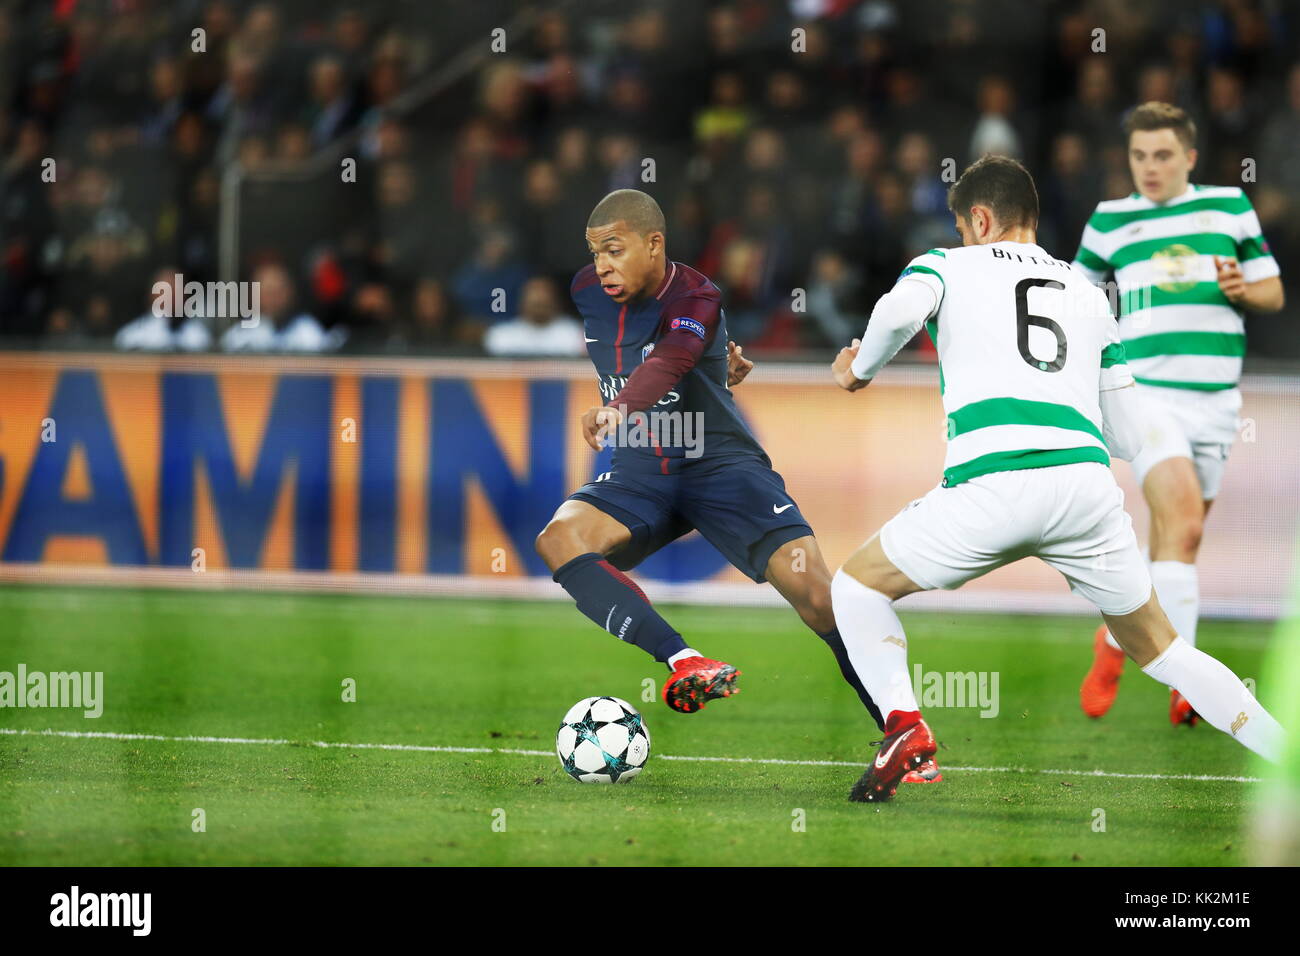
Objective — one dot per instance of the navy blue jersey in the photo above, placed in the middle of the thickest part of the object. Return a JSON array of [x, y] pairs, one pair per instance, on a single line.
[[684, 322]]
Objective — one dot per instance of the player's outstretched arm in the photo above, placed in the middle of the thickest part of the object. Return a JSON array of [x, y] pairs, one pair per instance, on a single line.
[[737, 365], [598, 423], [1121, 421], [899, 314], [1123, 424], [1264, 295], [842, 368], [696, 320]]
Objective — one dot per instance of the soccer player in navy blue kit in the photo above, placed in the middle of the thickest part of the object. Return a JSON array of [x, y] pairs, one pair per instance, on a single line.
[[656, 333]]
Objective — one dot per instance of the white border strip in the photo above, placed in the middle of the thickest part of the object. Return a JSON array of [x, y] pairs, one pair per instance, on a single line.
[[731, 594], [425, 748], [918, 372]]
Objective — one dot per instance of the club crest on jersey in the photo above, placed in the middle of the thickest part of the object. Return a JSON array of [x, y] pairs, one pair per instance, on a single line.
[[689, 324], [645, 352]]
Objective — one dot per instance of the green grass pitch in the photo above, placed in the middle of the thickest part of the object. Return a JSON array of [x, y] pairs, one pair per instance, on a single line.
[[499, 676]]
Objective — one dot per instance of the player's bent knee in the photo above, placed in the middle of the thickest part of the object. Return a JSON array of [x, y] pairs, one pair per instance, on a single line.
[[1180, 537], [859, 572], [542, 543], [871, 567], [1188, 538], [559, 542], [815, 607], [577, 531]]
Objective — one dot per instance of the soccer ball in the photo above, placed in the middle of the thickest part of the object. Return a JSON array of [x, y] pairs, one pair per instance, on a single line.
[[602, 740]]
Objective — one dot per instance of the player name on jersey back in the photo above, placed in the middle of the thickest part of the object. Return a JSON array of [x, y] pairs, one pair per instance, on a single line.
[[1023, 340]]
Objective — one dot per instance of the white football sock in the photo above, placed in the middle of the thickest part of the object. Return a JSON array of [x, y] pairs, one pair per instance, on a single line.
[[1178, 590], [1219, 696], [682, 654], [875, 641]]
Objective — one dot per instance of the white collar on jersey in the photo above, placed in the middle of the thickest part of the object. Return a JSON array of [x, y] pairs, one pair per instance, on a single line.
[[668, 280]]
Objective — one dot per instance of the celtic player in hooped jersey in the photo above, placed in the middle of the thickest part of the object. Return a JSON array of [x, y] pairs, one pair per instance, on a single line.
[[1187, 260], [1037, 395]]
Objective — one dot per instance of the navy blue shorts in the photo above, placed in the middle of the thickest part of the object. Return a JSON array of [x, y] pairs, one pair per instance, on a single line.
[[739, 504]]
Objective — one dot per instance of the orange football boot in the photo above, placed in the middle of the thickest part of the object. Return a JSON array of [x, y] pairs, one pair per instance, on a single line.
[[1180, 710]]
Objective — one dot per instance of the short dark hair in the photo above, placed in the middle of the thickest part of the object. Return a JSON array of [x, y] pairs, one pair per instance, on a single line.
[[1157, 115], [1002, 184], [639, 210]]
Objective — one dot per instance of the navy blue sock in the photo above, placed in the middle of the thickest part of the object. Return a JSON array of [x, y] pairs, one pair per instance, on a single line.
[[836, 643], [611, 599]]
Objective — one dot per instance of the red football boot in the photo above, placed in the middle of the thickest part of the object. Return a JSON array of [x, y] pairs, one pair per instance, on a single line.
[[902, 751], [928, 772], [1102, 683], [1180, 710], [697, 680]]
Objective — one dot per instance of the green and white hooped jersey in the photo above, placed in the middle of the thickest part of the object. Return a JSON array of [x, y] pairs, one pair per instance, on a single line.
[[1179, 330], [1026, 343]]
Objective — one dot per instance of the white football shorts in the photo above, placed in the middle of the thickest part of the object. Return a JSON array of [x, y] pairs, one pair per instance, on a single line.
[[1071, 516], [1189, 424]]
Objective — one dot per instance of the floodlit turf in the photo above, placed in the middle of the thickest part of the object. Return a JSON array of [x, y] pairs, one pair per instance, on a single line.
[[477, 674]]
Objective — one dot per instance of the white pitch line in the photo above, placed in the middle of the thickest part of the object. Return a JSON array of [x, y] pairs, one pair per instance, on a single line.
[[429, 748], [947, 767]]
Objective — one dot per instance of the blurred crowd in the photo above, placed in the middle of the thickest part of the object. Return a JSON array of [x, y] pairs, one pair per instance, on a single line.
[[799, 170]]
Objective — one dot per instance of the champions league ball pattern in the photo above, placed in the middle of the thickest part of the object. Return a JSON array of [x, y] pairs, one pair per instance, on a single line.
[[602, 740]]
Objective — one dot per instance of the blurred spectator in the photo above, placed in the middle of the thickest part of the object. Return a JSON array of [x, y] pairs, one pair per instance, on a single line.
[[168, 101], [161, 328], [278, 327], [541, 330], [917, 161], [1227, 129], [435, 324], [332, 110], [401, 238], [883, 243], [384, 82], [748, 255], [471, 172], [27, 224], [292, 146], [994, 132], [619, 162], [1280, 139], [1095, 112], [1066, 194], [103, 276], [240, 108], [864, 157], [1156, 83], [376, 326], [550, 223], [725, 117], [492, 278], [196, 226], [835, 298]]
